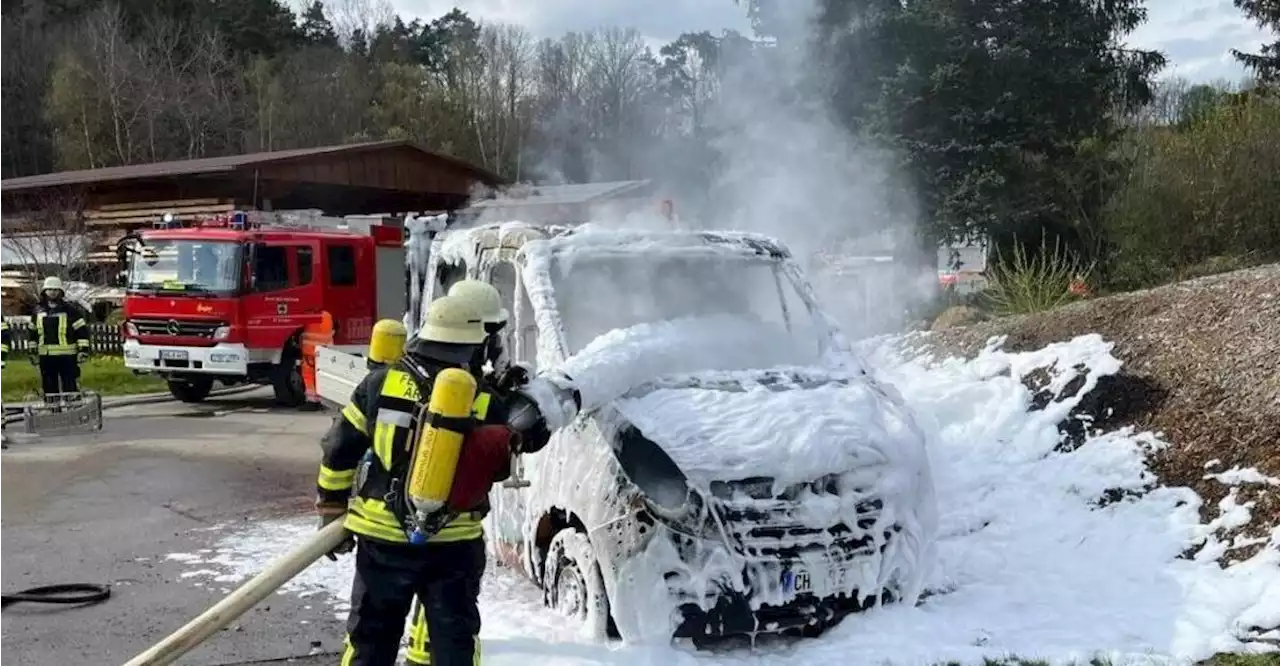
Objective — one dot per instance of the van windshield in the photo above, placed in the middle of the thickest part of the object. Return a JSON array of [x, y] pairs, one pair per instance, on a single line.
[[595, 295], [187, 266]]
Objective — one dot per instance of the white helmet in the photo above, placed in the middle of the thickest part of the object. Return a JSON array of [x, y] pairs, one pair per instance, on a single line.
[[52, 282], [453, 320], [485, 296]]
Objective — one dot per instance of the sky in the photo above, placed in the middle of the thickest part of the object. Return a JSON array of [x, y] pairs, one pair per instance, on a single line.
[[1196, 35]]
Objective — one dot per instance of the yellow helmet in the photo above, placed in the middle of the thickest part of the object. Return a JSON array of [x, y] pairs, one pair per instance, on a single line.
[[485, 296], [386, 344], [453, 320]]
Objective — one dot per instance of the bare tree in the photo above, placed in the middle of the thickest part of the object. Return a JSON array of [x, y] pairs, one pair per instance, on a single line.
[[52, 239]]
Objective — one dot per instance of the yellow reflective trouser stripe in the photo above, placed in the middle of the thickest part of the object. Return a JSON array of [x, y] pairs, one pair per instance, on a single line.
[[334, 479], [419, 652], [480, 408], [355, 417], [348, 652]]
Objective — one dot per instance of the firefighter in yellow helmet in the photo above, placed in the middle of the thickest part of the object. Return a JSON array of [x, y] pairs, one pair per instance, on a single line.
[[62, 339], [370, 499], [494, 388]]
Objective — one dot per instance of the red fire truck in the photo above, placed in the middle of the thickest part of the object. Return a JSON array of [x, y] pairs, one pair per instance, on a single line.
[[226, 298]]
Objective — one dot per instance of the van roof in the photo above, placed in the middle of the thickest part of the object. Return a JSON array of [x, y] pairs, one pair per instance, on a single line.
[[515, 235]]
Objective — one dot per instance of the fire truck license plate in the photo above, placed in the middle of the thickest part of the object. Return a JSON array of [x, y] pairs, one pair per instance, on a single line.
[[173, 354]]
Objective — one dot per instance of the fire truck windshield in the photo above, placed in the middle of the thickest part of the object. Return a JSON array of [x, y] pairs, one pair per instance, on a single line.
[[187, 266]]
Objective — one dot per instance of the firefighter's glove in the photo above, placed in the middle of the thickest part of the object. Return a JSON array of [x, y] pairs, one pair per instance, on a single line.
[[328, 513], [82, 356], [514, 376]]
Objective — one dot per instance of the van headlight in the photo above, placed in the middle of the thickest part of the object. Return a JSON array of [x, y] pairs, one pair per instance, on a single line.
[[663, 486], [222, 333], [130, 329]]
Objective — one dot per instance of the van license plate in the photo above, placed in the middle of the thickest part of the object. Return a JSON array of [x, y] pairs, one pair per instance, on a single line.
[[796, 580], [173, 354]]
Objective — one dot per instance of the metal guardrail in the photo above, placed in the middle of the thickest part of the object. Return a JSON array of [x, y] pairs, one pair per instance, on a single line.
[[64, 412]]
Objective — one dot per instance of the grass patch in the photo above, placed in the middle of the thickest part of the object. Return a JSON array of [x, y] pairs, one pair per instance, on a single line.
[[104, 374]]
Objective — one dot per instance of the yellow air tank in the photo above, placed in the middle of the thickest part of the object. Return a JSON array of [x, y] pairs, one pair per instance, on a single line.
[[386, 343], [435, 455]]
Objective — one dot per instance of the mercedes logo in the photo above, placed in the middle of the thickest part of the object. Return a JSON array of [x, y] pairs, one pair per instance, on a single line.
[[172, 327]]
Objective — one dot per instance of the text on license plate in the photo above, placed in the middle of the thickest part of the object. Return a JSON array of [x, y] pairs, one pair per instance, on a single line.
[[796, 580], [173, 354]]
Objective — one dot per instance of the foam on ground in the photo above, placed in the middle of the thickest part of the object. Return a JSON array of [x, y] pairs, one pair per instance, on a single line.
[[1031, 560]]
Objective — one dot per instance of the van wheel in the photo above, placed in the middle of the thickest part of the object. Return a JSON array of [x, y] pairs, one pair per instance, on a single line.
[[286, 378], [191, 390], [572, 584]]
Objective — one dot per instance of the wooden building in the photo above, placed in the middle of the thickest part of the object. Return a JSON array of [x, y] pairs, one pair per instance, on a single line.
[[99, 206]]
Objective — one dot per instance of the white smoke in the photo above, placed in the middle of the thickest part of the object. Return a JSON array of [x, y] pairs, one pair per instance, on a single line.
[[790, 169]]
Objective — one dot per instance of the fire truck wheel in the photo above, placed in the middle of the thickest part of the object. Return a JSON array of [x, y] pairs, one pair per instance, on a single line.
[[190, 390], [286, 378]]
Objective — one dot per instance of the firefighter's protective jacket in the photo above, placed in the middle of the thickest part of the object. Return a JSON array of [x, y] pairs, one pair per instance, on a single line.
[[61, 329], [381, 415], [4, 340]]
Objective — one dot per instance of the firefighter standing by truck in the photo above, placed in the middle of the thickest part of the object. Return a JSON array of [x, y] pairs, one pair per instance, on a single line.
[[62, 339], [391, 568]]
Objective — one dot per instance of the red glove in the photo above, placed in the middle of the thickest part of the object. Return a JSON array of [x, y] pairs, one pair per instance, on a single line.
[[485, 453]]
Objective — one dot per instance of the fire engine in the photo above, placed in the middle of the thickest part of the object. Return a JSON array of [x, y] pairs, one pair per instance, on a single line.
[[226, 298]]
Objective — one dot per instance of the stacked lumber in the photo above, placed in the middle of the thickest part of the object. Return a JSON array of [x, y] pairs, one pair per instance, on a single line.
[[149, 212], [118, 219]]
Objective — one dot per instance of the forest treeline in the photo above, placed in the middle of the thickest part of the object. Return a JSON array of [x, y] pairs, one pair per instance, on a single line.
[[1013, 120]]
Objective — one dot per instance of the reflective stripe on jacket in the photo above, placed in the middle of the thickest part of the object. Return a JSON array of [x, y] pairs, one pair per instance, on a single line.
[[380, 418], [61, 331]]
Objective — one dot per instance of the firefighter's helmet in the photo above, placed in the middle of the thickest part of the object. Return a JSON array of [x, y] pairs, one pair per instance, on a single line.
[[486, 298], [453, 320], [51, 283]]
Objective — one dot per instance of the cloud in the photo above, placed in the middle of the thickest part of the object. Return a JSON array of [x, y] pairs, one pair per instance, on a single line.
[[1196, 35]]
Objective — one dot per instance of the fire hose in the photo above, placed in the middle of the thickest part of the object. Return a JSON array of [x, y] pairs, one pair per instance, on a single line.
[[242, 599], [67, 593]]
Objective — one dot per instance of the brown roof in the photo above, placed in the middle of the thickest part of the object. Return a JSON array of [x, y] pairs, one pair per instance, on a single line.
[[229, 163]]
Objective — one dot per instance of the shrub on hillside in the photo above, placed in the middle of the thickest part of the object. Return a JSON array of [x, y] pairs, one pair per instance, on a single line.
[[1201, 197], [1024, 283]]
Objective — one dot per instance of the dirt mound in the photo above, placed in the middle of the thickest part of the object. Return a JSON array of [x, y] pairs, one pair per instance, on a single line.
[[1201, 367]]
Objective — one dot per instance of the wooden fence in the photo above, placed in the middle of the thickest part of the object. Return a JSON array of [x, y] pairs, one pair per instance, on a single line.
[[103, 339]]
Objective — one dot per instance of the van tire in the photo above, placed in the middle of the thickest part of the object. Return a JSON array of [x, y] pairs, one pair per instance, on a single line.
[[572, 583], [191, 390], [286, 378]]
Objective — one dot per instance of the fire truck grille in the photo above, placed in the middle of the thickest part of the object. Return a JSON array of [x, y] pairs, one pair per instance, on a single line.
[[177, 327]]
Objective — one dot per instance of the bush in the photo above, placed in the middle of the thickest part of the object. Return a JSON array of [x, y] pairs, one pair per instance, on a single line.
[[1200, 198], [1024, 284]]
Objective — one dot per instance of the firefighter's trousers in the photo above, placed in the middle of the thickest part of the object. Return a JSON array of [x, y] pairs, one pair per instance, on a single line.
[[58, 373], [445, 576]]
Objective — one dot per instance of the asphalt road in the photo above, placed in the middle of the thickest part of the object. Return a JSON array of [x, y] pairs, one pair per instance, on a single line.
[[107, 508]]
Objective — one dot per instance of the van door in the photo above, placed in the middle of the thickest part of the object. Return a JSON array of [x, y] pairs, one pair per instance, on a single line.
[[511, 512]]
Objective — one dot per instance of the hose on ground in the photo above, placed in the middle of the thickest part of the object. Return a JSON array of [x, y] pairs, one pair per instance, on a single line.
[[67, 593]]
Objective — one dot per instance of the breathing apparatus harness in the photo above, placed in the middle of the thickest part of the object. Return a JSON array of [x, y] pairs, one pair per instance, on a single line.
[[396, 494]]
